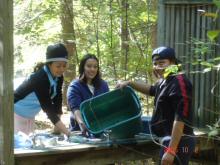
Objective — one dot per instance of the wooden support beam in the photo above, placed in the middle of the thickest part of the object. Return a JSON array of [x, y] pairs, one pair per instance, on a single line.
[[6, 82], [161, 24], [88, 154]]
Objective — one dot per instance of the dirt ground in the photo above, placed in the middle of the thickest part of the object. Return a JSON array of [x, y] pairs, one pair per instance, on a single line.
[[43, 123]]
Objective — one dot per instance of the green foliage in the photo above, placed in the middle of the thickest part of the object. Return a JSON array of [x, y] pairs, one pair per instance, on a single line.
[[36, 21], [203, 50], [213, 34], [97, 30], [217, 3], [206, 59]]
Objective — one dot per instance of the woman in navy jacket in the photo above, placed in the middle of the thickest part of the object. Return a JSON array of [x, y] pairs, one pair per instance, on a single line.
[[42, 90], [87, 86]]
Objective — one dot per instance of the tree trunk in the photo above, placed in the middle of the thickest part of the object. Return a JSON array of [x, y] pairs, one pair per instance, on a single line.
[[124, 37], [6, 83], [111, 44], [68, 36], [97, 38]]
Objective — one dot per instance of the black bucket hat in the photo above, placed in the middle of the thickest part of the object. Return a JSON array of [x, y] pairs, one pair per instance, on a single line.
[[56, 52]]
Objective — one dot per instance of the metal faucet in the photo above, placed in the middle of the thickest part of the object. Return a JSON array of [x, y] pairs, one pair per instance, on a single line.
[[106, 134]]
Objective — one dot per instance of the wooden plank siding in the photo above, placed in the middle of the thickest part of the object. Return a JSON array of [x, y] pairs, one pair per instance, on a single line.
[[6, 84], [179, 22]]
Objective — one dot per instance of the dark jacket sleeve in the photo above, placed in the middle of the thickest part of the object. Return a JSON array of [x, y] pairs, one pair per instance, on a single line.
[[74, 96], [23, 90], [39, 83], [153, 88], [42, 90], [181, 95], [105, 87]]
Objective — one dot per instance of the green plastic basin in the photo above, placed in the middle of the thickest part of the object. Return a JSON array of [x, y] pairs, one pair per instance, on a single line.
[[118, 111]]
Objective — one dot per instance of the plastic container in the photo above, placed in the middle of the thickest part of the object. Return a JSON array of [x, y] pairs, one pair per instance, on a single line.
[[21, 140], [117, 112]]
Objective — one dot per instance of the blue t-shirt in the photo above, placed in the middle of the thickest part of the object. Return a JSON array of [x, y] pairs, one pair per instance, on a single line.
[[28, 107]]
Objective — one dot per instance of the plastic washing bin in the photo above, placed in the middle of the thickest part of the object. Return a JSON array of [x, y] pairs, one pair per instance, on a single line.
[[118, 111]]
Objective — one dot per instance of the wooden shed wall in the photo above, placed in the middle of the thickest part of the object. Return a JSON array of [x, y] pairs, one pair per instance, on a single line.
[[180, 22]]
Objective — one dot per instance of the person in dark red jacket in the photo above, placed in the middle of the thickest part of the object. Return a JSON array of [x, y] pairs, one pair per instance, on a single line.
[[42, 90], [173, 115]]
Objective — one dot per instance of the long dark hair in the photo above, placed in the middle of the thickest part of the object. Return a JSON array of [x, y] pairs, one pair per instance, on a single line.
[[40, 65], [97, 79]]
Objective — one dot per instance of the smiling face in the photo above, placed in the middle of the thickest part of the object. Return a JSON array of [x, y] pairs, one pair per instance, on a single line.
[[159, 66], [57, 68], [91, 69]]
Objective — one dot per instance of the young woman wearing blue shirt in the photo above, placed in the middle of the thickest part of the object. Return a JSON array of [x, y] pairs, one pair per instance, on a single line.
[[88, 85]]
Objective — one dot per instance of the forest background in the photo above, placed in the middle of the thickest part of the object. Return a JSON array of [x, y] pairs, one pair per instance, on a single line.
[[121, 33]]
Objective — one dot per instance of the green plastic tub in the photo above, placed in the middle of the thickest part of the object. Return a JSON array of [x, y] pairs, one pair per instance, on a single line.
[[118, 111]]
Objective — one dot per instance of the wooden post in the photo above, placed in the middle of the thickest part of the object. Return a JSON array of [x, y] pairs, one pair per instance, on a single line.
[[161, 24], [6, 83]]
